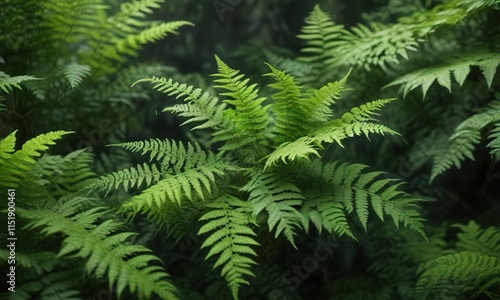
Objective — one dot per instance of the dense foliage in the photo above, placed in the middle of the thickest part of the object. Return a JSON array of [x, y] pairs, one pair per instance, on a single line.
[[294, 156]]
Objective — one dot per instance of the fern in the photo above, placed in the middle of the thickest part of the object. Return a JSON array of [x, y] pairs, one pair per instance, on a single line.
[[250, 117], [75, 73], [16, 163], [106, 253], [474, 269], [8, 83], [354, 123], [458, 68], [200, 107], [495, 141], [260, 168], [357, 192], [279, 199], [185, 172], [475, 239], [320, 35], [466, 135], [231, 239]]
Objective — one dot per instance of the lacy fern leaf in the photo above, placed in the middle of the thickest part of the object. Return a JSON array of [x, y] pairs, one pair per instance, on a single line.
[[8, 83], [200, 106], [279, 198], [106, 253], [185, 172], [75, 73], [460, 68], [250, 117], [358, 191], [466, 135], [495, 141], [16, 164], [231, 239]]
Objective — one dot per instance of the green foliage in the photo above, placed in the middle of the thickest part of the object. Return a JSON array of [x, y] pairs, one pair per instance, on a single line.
[[258, 176], [473, 269], [466, 135], [106, 253], [460, 68], [79, 55], [50, 205], [7, 83]]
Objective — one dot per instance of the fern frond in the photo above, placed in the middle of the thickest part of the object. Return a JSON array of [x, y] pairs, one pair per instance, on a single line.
[[129, 178], [75, 73], [475, 239], [154, 33], [200, 107], [301, 148], [468, 271], [279, 198], [374, 45], [250, 118], [15, 165], [231, 238], [357, 191], [459, 68], [466, 135], [354, 123], [494, 145], [106, 253], [317, 107], [8, 83], [286, 108], [321, 35], [185, 170]]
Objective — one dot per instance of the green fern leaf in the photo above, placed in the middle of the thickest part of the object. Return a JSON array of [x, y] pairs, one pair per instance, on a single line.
[[279, 198], [466, 135], [459, 68], [231, 239], [291, 151], [251, 119], [286, 108], [494, 145], [475, 239], [200, 107], [468, 271], [75, 73], [106, 254], [17, 165], [154, 33], [357, 191], [7, 83]]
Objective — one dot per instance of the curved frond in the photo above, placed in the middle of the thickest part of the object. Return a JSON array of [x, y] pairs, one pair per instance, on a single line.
[[15, 165], [200, 106], [458, 68], [105, 252], [464, 139], [466, 271], [7, 83], [357, 191]]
